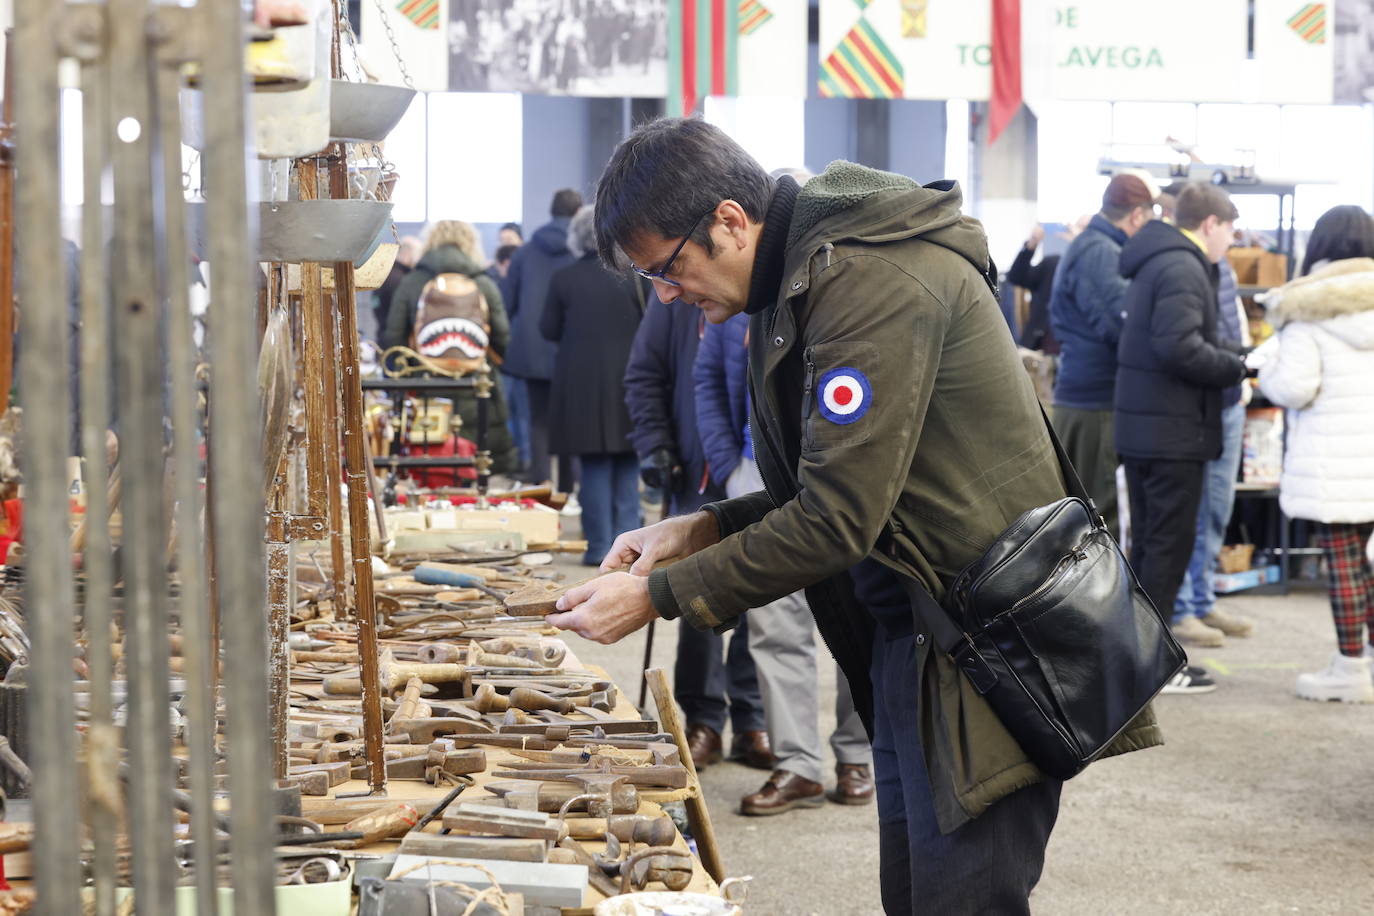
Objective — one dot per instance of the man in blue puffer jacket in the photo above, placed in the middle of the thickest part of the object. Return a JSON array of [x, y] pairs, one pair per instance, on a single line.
[[1086, 314], [781, 633]]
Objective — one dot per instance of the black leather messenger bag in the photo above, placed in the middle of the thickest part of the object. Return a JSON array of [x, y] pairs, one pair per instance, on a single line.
[[1052, 628]]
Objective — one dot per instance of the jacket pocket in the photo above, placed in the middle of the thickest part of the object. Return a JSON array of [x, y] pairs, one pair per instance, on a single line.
[[839, 394]]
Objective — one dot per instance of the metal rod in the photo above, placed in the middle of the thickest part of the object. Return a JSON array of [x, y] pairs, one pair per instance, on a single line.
[[235, 442], [194, 606], [359, 478], [138, 385], [278, 620], [45, 397], [102, 745]]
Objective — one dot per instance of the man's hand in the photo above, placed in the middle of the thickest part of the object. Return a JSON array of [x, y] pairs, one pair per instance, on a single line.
[[606, 609], [1037, 235], [670, 539], [661, 469]]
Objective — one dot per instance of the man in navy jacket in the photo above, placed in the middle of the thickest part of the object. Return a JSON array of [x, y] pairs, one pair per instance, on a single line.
[[1085, 311], [660, 395]]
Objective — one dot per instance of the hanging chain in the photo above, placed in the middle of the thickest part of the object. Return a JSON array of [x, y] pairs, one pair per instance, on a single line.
[[347, 28], [395, 48]]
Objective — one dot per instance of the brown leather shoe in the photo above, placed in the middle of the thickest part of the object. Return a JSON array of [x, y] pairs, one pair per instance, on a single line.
[[753, 749], [853, 784], [783, 791], [703, 743]]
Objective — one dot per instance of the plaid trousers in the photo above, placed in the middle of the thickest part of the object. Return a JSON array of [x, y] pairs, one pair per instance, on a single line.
[[1352, 582]]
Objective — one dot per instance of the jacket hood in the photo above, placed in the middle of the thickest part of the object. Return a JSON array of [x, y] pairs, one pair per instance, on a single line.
[[449, 259], [552, 238], [849, 201], [1155, 238], [1339, 296]]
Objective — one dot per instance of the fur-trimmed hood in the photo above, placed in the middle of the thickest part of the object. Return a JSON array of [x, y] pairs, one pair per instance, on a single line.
[[1337, 289]]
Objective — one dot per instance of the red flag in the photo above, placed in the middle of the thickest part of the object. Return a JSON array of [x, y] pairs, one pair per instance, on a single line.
[[1006, 66]]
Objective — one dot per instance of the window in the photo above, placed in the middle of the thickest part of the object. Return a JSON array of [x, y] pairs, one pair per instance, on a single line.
[[475, 144], [772, 130]]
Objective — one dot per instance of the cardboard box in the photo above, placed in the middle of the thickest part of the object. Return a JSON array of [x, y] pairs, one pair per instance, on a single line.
[[1257, 267], [1225, 583]]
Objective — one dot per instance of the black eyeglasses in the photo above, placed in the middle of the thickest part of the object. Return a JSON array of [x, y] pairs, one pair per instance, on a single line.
[[662, 273]]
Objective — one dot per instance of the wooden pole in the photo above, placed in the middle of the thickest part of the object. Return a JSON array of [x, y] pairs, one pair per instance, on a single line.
[[7, 229]]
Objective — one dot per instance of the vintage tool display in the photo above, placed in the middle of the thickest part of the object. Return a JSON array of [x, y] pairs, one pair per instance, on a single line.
[[253, 699]]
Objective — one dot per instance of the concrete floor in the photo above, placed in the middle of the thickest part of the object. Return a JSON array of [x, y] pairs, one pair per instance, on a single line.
[[1259, 803]]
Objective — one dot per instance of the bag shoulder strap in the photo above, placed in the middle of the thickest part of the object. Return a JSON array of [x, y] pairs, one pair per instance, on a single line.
[[1072, 482]]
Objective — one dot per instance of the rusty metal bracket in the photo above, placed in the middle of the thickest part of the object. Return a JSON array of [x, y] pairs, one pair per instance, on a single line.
[[307, 527]]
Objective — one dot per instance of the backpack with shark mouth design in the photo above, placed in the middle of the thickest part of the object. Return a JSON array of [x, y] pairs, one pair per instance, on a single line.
[[452, 325]]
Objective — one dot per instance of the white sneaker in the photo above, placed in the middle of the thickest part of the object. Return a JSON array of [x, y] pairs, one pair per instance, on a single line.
[[1345, 678], [572, 506]]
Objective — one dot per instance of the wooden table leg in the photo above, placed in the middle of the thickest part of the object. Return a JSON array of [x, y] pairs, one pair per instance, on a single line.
[[698, 818]]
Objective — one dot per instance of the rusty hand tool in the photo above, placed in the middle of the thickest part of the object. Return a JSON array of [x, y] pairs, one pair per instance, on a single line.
[[661, 777], [658, 754], [596, 875], [667, 865], [548, 654], [424, 731], [472, 817], [380, 824], [453, 846], [538, 599], [464, 782], [480, 658], [397, 674], [629, 828], [410, 705], [551, 796]]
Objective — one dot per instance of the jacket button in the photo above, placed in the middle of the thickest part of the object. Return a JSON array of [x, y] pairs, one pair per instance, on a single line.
[[778, 341], [797, 285], [920, 639]]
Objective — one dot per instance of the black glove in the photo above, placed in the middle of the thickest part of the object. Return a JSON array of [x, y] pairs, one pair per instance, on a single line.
[[661, 469]]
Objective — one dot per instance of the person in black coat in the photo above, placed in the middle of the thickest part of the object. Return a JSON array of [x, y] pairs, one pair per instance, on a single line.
[[660, 391], [592, 314], [1038, 280], [1171, 370]]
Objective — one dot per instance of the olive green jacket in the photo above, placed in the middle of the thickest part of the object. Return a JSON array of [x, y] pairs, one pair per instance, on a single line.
[[885, 279]]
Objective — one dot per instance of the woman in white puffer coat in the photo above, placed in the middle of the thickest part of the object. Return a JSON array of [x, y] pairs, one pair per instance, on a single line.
[[1323, 372]]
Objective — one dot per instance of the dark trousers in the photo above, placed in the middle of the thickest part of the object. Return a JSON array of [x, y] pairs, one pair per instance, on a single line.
[[610, 501], [990, 864], [705, 683], [1088, 437], [1164, 499], [539, 392]]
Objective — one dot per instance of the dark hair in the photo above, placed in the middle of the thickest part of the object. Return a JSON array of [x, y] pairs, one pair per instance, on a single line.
[[666, 176], [566, 202], [1199, 200], [513, 227], [506, 252], [1341, 232]]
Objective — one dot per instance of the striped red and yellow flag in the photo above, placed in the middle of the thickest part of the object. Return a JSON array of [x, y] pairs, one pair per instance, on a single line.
[[424, 13], [862, 67], [703, 52], [1310, 23], [752, 14]]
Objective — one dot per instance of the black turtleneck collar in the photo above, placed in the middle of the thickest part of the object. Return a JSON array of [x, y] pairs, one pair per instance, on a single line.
[[772, 246]]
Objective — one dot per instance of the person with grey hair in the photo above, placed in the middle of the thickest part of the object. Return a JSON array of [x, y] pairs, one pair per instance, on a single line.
[[592, 314]]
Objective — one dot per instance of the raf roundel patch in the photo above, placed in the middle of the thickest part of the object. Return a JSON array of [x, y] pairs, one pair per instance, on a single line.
[[845, 395]]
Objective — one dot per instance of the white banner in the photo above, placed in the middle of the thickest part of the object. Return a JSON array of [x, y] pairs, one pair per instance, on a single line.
[[1174, 51], [772, 48], [421, 31]]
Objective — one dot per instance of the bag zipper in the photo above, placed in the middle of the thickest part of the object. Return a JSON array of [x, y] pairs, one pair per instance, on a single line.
[[1060, 570]]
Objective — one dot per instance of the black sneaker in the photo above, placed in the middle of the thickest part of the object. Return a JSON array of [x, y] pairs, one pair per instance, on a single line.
[[1190, 680]]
